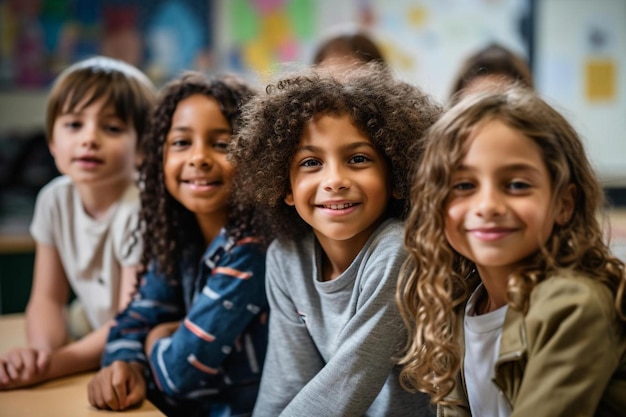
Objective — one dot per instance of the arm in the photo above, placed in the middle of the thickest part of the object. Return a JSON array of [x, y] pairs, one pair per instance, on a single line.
[[573, 349], [117, 385], [45, 313], [292, 358], [232, 298], [128, 286], [45, 322]]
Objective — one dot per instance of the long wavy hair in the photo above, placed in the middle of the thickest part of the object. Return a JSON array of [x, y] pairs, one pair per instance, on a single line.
[[392, 114], [436, 280], [168, 227]]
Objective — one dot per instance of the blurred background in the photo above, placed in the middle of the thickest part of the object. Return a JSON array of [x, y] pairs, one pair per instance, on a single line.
[[575, 48]]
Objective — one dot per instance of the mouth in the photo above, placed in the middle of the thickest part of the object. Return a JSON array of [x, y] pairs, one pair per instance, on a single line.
[[201, 182], [89, 160], [491, 234], [340, 206]]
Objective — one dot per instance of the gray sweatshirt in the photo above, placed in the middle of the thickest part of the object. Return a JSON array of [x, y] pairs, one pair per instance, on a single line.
[[332, 343]]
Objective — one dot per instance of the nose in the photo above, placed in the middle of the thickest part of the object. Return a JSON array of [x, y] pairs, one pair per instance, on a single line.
[[490, 202], [335, 179], [90, 136], [201, 156]]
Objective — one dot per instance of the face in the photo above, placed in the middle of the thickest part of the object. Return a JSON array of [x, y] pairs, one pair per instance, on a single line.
[[93, 146], [195, 168], [500, 208], [339, 181]]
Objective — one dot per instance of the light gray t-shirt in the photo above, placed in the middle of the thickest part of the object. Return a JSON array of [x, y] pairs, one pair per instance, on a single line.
[[332, 343], [92, 252]]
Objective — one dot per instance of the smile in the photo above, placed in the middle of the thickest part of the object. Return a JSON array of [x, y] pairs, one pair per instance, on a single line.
[[491, 234], [341, 206]]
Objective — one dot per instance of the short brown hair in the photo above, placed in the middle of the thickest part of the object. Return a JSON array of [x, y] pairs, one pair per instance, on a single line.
[[122, 85]]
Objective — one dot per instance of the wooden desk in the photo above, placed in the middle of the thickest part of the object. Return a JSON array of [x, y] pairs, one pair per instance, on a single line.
[[65, 397]]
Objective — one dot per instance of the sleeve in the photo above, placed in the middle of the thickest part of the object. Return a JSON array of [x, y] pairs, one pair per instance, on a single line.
[[233, 296], [129, 245], [158, 300], [41, 227], [574, 349], [292, 358], [363, 361]]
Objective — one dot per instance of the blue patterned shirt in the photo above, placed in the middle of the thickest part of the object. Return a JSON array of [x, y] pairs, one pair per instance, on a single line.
[[217, 353]]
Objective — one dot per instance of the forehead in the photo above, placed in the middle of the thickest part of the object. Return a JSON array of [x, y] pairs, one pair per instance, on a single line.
[[331, 131], [495, 144]]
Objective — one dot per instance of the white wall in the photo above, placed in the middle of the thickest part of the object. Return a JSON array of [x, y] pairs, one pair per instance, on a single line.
[[571, 34]]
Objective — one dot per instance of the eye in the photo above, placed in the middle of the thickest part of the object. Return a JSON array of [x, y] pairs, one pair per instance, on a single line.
[[179, 142], [114, 129], [359, 159], [73, 124], [221, 144], [463, 186], [310, 163], [517, 185]]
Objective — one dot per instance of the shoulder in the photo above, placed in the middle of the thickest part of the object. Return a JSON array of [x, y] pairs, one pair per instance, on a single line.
[[570, 293], [129, 201], [285, 247], [58, 188], [387, 240]]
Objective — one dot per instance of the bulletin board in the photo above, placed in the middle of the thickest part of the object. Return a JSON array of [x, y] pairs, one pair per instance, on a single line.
[[424, 41], [39, 38], [581, 68]]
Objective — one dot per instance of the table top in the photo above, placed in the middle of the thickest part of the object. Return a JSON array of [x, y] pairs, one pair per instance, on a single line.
[[64, 397]]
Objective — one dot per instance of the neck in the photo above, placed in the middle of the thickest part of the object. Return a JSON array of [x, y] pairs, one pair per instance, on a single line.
[[98, 199], [211, 226], [496, 284]]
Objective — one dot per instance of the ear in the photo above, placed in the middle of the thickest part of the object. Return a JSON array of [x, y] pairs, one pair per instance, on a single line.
[[396, 194], [52, 148], [289, 199], [566, 203], [138, 158]]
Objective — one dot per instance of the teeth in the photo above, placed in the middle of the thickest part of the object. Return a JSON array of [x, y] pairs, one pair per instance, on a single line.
[[200, 182], [339, 206]]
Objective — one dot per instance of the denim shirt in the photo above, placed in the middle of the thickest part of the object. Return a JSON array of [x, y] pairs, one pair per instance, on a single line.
[[218, 351]]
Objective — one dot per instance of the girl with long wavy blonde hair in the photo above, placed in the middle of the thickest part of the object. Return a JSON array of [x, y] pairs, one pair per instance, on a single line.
[[514, 304]]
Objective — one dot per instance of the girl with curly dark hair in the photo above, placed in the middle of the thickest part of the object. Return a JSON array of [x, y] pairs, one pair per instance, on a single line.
[[195, 334], [328, 161], [515, 305]]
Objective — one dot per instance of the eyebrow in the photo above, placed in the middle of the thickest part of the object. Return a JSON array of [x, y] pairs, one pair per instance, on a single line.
[[349, 147], [185, 129], [508, 168]]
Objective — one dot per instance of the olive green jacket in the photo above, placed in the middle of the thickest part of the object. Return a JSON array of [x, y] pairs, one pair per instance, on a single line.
[[566, 357]]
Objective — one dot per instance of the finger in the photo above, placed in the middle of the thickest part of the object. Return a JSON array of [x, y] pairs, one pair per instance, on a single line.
[[137, 392], [15, 358], [29, 366], [12, 371], [43, 360], [4, 376]]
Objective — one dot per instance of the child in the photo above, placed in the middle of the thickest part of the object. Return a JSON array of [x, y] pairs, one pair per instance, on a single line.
[[329, 161], [206, 269], [514, 304], [85, 220], [493, 66]]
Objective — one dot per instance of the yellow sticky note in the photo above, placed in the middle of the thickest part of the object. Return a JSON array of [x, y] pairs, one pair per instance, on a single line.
[[600, 79]]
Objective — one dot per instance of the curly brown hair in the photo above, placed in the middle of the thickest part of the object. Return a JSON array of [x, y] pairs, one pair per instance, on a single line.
[[434, 281], [168, 227], [392, 114]]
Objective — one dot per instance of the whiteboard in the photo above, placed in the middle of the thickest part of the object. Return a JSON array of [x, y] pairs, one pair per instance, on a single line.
[[580, 67]]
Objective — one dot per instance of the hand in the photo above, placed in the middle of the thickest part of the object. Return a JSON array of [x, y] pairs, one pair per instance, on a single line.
[[117, 386], [22, 367], [158, 332]]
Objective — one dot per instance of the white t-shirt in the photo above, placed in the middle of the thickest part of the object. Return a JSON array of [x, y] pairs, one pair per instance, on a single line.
[[92, 252], [482, 346]]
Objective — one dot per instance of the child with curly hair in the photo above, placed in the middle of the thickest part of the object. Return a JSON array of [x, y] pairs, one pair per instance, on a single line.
[[328, 162], [515, 305], [85, 221], [195, 335]]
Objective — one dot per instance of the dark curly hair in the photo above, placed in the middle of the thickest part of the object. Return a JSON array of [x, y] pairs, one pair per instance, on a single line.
[[168, 227], [392, 114]]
